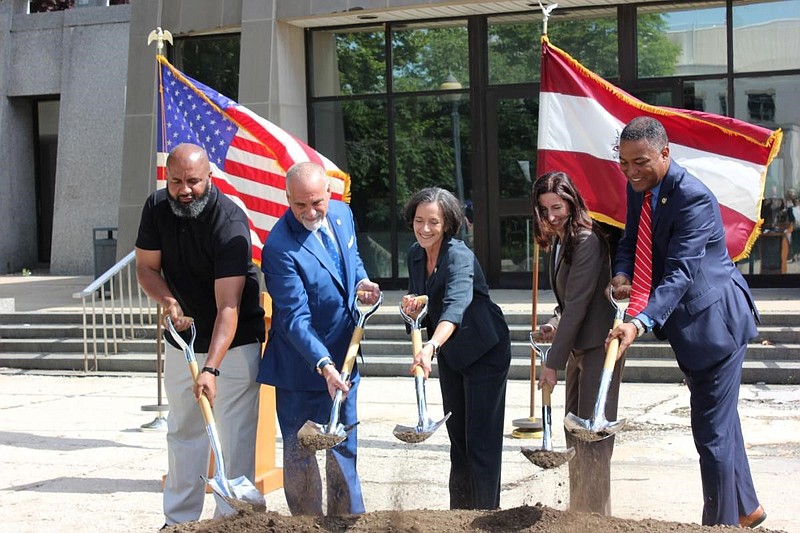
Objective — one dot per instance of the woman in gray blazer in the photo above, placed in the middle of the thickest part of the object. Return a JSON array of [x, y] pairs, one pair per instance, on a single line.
[[468, 333], [580, 269]]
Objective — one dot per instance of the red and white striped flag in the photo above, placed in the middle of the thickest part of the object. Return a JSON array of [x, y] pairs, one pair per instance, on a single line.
[[249, 155], [581, 116]]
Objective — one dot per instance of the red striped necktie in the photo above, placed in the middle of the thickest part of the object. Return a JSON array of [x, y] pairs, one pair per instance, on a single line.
[[643, 260]]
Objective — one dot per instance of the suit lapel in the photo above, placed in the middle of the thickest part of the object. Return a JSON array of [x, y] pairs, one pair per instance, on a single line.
[[667, 186], [416, 269], [312, 244], [555, 266]]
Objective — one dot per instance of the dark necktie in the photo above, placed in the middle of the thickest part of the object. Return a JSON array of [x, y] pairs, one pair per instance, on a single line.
[[643, 260], [330, 246]]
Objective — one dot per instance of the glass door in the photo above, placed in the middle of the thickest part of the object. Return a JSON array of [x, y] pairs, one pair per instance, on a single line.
[[512, 114]]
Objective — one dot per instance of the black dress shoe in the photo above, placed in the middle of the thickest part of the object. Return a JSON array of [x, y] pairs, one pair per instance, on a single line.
[[754, 519]]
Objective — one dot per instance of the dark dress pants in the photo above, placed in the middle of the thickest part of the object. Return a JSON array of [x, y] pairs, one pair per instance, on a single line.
[[476, 397], [302, 483], [728, 490]]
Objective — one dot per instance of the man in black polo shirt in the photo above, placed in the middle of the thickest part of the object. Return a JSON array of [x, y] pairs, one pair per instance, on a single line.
[[193, 257]]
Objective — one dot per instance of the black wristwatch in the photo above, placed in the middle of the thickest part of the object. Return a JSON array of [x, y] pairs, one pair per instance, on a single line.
[[210, 370], [325, 361]]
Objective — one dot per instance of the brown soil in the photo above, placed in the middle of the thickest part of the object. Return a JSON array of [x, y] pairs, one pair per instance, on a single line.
[[520, 519], [547, 459]]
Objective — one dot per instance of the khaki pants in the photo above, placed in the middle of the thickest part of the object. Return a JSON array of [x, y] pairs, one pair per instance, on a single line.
[[188, 448]]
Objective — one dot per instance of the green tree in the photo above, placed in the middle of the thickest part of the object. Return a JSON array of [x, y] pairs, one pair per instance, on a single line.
[[658, 56]]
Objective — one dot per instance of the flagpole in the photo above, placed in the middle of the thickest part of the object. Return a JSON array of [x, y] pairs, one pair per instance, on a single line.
[[159, 423]]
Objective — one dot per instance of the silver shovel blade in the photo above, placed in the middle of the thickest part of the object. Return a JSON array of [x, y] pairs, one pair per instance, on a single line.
[[546, 459], [413, 435], [315, 437], [237, 494], [591, 430]]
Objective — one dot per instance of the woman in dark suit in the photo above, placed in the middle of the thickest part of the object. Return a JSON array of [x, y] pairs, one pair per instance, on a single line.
[[468, 333], [580, 269]]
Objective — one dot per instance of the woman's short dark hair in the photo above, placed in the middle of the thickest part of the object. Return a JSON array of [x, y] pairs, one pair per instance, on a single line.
[[452, 213], [560, 184]]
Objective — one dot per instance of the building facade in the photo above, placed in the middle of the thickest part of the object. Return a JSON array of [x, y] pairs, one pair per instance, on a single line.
[[400, 94]]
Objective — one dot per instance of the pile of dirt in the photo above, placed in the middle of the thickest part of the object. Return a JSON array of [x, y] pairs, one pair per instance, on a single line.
[[520, 519]]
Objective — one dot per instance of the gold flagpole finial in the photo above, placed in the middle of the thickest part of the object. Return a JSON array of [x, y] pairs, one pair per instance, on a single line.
[[545, 14], [159, 36]]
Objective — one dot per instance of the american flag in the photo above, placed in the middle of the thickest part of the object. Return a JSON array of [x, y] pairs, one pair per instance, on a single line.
[[581, 116], [249, 155]]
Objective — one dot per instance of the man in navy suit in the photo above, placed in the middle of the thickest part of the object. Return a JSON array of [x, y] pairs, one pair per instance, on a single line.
[[700, 302], [313, 318]]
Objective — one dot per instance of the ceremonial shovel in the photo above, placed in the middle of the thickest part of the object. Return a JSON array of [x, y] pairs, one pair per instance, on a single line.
[[425, 426], [233, 492], [313, 436], [598, 428], [546, 457]]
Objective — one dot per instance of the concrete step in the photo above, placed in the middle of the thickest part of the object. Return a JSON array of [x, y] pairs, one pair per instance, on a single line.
[[373, 332], [637, 370]]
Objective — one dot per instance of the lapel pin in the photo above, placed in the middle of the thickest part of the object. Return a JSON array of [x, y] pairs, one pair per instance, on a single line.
[[663, 201], [338, 222]]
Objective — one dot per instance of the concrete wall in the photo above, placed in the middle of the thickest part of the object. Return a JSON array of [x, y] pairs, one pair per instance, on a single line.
[[81, 56]]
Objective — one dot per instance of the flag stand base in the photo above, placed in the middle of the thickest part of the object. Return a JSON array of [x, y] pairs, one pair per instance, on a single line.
[[527, 428]]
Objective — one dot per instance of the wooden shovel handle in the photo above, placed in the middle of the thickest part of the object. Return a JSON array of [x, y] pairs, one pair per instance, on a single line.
[[205, 405], [416, 346], [612, 350], [352, 352], [546, 392]]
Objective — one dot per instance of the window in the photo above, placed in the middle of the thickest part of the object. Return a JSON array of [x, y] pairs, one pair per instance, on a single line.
[[761, 107], [349, 62], [673, 42], [212, 60], [514, 43], [423, 56], [766, 36]]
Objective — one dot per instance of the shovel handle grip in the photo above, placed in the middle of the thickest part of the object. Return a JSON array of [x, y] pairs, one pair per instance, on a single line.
[[546, 392], [352, 352], [416, 346], [611, 351], [205, 405]]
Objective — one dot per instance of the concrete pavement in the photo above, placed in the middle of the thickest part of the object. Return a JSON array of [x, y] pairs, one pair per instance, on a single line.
[[74, 459]]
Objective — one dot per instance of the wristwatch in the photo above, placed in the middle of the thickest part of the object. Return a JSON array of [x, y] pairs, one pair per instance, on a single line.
[[640, 329], [211, 370], [322, 363], [436, 346]]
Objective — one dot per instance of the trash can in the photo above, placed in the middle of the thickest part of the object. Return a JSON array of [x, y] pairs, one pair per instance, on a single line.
[[105, 252]]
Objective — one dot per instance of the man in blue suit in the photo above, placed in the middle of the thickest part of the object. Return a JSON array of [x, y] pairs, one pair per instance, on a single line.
[[313, 291], [700, 302]]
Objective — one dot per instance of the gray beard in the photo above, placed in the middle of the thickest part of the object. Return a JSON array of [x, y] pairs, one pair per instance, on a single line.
[[193, 209]]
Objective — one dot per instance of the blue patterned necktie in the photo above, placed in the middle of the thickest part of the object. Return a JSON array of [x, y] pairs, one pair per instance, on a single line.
[[330, 247]]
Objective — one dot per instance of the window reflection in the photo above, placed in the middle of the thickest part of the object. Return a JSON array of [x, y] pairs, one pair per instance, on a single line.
[[432, 147], [353, 134], [766, 36], [423, 56], [673, 42], [516, 246], [212, 60], [771, 102], [517, 123], [514, 49], [349, 62]]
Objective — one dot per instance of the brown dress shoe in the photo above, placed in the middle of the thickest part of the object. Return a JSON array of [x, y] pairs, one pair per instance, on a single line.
[[754, 519]]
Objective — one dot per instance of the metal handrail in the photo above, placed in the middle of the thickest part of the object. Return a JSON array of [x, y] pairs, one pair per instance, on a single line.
[[134, 304]]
